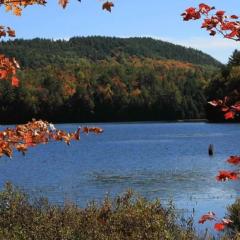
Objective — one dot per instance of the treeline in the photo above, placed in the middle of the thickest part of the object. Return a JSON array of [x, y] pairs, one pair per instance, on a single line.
[[105, 79], [41, 52]]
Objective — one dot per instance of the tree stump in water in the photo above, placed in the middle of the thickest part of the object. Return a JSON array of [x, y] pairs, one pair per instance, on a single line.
[[210, 150]]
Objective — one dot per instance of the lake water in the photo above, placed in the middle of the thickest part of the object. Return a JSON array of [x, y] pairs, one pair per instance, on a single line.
[[157, 160]]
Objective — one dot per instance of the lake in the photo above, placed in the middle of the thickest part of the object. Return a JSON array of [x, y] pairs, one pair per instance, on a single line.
[[157, 160]]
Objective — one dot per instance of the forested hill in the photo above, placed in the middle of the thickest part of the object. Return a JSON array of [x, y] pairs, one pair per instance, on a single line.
[[39, 52], [105, 79]]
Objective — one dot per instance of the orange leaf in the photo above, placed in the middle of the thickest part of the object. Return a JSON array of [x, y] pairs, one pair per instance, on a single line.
[[108, 6], [63, 3], [15, 81]]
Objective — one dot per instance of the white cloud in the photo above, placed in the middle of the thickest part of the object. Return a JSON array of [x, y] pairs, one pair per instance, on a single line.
[[206, 43], [217, 47]]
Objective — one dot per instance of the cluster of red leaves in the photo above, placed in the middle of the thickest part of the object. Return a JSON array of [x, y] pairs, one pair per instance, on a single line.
[[227, 175], [217, 21], [8, 66], [219, 225], [230, 112], [37, 132]]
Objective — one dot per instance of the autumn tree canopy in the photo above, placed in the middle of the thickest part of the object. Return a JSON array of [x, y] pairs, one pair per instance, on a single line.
[[215, 21]]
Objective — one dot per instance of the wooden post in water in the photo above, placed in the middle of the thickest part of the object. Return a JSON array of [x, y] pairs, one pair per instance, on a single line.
[[210, 150]]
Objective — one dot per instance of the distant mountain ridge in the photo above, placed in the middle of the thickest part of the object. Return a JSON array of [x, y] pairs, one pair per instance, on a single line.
[[40, 52]]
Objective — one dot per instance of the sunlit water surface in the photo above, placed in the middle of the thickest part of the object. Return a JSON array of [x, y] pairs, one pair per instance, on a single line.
[[157, 160]]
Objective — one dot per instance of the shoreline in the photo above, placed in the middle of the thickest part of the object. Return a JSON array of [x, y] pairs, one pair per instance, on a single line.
[[120, 122], [201, 120]]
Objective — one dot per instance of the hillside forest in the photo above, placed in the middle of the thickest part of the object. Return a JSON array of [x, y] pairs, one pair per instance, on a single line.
[[89, 79]]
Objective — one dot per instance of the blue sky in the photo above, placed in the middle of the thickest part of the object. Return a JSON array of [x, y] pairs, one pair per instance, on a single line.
[[153, 18]]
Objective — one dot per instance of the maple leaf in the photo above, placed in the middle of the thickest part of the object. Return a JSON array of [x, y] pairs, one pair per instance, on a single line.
[[22, 148], [3, 74], [234, 17], [229, 115], [220, 13], [235, 160], [11, 32], [207, 217], [17, 11], [219, 226], [63, 3], [15, 81], [108, 6], [204, 8]]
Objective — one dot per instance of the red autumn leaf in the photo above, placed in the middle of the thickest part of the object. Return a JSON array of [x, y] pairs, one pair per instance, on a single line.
[[229, 115], [191, 13], [234, 16], [207, 217], [15, 81], [219, 226], [11, 32], [228, 26], [3, 74], [235, 160], [96, 130], [108, 6], [204, 8], [226, 175], [63, 3], [220, 13]]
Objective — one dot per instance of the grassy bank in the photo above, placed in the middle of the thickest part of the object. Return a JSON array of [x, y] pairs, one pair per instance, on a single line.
[[127, 217]]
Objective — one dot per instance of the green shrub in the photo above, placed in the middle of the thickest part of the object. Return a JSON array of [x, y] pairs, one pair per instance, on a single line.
[[127, 217]]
